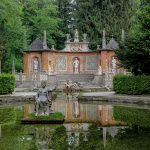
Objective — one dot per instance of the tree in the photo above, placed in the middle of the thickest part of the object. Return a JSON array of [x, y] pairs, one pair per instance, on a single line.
[[134, 54], [94, 16], [42, 15], [11, 31], [67, 10]]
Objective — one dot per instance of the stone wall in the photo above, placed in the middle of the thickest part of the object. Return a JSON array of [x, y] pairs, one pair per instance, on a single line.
[[62, 62]]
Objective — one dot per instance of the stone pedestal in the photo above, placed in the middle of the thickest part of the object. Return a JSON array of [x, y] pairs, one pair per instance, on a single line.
[[98, 80], [52, 79]]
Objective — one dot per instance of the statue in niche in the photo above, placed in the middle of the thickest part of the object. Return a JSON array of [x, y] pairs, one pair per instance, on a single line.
[[35, 64], [43, 101], [100, 70], [76, 65], [50, 68], [76, 36], [114, 65]]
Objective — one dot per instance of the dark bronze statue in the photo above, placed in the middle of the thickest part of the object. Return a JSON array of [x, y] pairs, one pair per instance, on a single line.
[[43, 101]]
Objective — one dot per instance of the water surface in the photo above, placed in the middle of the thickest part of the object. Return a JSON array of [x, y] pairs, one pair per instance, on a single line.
[[88, 126]]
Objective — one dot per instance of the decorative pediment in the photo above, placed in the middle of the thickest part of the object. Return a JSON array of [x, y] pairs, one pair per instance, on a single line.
[[76, 45]]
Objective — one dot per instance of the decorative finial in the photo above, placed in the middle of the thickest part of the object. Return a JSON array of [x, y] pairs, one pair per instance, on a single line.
[[53, 48], [122, 36], [98, 47], [67, 37], [104, 40], [76, 36], [45, 40], [25, 41], [84, 37]]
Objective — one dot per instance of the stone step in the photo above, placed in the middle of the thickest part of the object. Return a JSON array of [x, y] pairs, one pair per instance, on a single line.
[[75, 77]]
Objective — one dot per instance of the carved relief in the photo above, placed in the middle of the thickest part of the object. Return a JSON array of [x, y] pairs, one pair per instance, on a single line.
[[91, 62], [61, 62], [76, 47]]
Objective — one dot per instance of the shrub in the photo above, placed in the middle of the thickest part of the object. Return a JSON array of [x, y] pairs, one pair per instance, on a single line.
[[7, 83], [135, 85]]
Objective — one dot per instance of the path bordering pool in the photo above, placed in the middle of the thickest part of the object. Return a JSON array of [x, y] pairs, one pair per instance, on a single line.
[[112, 97]]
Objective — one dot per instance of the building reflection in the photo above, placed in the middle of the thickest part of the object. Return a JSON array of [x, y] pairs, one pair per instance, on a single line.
[[76, 112]]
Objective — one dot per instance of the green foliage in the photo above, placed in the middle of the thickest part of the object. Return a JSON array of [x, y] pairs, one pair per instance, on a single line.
[[134, 85], [31, 17], [40, 16], [59, 139], [7, 115], [132, 116], [94, 16], [11, 30], [7, 83], [134, 54], [53, 116]]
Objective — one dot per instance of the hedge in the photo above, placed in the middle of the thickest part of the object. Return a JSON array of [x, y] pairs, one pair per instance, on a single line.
[[135, 85], [7, 83], [132, 116]]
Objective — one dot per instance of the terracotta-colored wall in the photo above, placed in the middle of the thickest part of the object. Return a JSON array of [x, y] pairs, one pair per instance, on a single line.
[[103, 58], [106, 56], [25, 63], [44, 63], [45, 56]]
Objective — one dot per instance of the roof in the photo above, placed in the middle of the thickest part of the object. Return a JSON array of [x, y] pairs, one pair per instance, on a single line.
[[112, 45], [37, 44]]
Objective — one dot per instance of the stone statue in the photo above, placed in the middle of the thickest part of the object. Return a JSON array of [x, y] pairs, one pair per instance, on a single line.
[[50, 68], [35, 64], [76, 65], [67, 37], [43, 101], [70, 86], [113, 62], [100, 70], [84, 36], [76, 36]]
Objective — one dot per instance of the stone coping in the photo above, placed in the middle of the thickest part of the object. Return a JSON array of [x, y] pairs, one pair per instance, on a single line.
[[18, 97], [112, 97], [85, 96]]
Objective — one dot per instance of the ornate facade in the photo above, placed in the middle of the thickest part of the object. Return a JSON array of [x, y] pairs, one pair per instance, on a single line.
[[75, 58]]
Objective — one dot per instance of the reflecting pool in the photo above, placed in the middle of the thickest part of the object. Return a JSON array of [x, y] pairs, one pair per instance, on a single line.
[[88, 125]]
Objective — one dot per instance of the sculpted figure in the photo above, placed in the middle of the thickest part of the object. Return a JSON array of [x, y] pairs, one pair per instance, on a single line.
[[50, 68], [114, 65], [43, 102], [100, 70], [35, 64], [76, 36], [76, 65], [67, 37]]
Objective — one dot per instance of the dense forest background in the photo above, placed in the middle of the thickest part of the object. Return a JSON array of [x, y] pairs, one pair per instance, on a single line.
[[22, 21]]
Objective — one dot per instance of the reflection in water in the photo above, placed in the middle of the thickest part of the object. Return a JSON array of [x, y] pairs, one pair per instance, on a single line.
[[43, 137], [75, 111], [87, 126]]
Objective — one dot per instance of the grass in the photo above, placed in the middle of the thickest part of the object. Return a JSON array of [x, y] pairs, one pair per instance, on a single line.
[[53, 116]]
